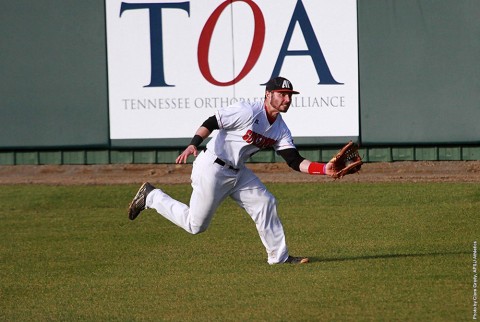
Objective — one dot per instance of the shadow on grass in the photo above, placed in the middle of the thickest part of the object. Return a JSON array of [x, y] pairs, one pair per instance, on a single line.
[[384, 256]]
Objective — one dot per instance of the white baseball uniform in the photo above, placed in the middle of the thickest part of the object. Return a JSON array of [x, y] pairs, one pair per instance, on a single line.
[[243, 130]]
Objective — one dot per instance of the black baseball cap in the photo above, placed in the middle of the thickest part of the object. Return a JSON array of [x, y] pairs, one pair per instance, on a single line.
[[280, 84]]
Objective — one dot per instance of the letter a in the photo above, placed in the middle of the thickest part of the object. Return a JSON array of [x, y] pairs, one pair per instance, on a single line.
[[314, 50]]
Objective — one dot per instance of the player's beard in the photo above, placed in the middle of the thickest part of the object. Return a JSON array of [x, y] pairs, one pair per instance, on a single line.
[[278, 104]]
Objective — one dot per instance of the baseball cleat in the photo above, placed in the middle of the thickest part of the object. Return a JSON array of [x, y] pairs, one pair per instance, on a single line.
[[139, 201], [296, 260]]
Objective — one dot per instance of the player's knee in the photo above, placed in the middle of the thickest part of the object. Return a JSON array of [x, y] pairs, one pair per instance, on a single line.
[[270, 200]]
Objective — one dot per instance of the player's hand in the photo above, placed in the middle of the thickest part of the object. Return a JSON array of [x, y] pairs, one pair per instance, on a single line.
[[182, 158], [329, 169]]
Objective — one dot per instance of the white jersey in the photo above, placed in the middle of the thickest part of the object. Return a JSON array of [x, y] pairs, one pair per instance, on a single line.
[[244, 130]]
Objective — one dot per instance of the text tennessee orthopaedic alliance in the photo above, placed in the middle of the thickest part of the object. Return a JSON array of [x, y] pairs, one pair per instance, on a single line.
[[217, 102]]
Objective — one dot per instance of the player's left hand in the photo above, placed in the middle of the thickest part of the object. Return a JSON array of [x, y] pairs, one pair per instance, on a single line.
[[346, 161], [330, 169], [182, 158]]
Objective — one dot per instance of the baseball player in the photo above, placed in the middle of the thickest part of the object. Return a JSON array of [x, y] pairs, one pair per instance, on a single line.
[[220, 172]]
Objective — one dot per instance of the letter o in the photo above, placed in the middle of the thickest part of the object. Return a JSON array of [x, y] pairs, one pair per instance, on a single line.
[[206, 37]]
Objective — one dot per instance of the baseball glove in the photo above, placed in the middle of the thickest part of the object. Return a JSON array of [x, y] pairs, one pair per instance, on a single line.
[[346, 161]]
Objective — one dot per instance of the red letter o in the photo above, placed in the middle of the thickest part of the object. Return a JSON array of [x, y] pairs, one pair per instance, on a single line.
[[206, 37]]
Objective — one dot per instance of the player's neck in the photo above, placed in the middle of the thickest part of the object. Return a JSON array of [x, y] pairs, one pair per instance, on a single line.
[[271, 114]]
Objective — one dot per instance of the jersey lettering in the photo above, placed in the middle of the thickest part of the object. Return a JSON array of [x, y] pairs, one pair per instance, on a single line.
[[258, 140]]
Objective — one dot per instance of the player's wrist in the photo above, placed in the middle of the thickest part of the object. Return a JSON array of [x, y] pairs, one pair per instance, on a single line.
[[196, 141], [317, 168]]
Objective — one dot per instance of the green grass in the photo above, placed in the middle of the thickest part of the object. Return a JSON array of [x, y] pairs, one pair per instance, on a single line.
[[384, 252]]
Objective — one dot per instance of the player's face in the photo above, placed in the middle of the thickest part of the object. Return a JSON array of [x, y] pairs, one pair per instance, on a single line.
[[279, 100]]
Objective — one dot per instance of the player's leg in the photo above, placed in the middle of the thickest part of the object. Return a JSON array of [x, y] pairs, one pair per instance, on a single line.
[[252, 195], [210, 188]]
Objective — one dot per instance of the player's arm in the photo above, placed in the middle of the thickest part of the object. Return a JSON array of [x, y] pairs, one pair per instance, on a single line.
[[202, 133], [299, 163]]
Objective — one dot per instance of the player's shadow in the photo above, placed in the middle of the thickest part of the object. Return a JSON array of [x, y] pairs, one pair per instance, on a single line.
[[383, 256]]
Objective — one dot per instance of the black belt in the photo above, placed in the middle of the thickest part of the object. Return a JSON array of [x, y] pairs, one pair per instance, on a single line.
[[222, 163]]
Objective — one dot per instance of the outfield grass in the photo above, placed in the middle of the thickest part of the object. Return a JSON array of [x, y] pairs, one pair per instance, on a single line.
[[386, 252]]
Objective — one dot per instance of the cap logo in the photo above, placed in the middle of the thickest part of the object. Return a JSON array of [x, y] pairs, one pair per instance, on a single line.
[[280, 84]]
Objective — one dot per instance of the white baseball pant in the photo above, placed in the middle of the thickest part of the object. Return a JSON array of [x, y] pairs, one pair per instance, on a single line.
[[211, 184]]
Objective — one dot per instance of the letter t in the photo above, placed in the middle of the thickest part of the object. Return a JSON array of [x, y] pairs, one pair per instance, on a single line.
[[156, 39]]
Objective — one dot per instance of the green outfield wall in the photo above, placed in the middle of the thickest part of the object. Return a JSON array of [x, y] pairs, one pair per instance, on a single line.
[[419, 85]]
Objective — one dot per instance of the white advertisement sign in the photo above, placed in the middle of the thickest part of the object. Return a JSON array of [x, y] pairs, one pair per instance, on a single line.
[[172, 63]]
